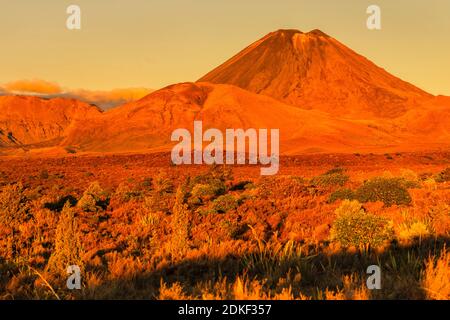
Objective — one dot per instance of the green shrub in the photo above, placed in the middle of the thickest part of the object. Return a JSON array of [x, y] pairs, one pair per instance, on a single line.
[[125, 193], [225, 203], [214, 188], [221, 172], [409, 175], [93, 199], [194, 202], [354, 227], [233, 229], [215, 172], [242, 185], [388, 190], [70, 150], [147, 182], [87, 203], [341, 194], [43, 175], [205, 211], [334, 177], [443, 176], [210, 185], [335, 170]]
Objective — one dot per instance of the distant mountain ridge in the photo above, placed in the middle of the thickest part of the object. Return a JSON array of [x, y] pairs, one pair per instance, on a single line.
[[27, 120], [321, 95], [148, 123]]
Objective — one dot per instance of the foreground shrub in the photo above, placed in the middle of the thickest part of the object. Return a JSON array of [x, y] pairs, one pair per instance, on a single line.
[[125, 193], [388, 190], [436, 277], [409, 175], [212, 189], [43, 174], [225, 203], [443, 176], [67, 249], [222, 172], [334, 177], [430, 184], [13, 204], [210, 185], [341, 194], [354, 227], [93, 198], [243, 185]]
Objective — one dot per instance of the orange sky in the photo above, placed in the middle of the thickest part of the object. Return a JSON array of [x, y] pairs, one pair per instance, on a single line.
[[142, 43]]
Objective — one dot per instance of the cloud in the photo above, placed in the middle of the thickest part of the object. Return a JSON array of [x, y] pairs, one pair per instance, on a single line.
[[104, 99], [35, 86], [109, 99]]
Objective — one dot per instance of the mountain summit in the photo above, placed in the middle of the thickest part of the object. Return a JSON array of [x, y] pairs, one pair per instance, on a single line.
[[315, 71]]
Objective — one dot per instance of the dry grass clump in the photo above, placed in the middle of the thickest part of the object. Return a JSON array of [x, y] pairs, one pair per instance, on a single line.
[[353, 289], [440, 218], [181, 224], [67, 249], [436, 277], [13, 204], [413, 230]]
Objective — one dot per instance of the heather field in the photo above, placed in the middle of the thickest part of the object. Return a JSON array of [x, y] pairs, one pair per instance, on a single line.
[[139, 227]]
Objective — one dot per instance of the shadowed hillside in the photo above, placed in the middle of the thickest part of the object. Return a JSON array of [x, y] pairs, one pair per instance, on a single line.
[[27, 120]]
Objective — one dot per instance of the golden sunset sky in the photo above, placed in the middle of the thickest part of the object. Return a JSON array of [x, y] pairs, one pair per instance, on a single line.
[[154, 43]]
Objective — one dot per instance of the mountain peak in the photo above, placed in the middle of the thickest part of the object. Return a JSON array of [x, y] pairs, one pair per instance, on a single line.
[[319, 33], [292, 32], [315, 71], [289, 32]]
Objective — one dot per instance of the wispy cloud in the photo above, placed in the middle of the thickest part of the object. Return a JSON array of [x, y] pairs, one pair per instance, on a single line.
[[102, 98], [35, 86], [109, 99]]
